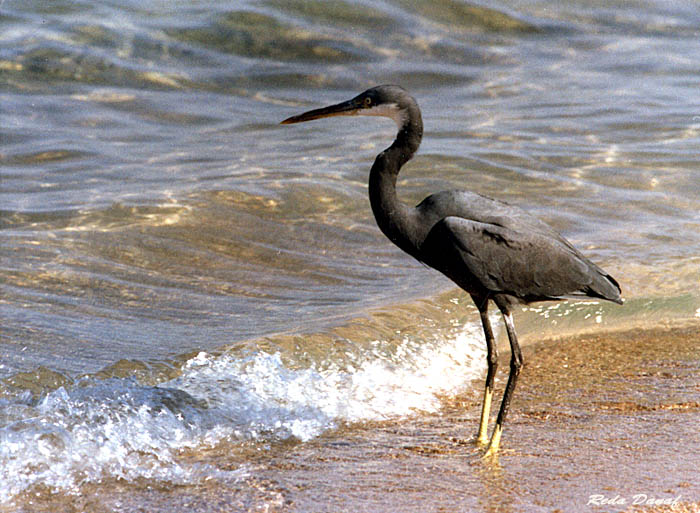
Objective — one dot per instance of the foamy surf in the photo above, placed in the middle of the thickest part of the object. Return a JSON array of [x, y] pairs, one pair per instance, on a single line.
[[118, 428]]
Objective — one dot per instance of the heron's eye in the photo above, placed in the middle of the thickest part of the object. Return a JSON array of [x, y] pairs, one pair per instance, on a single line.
[[368, 101]]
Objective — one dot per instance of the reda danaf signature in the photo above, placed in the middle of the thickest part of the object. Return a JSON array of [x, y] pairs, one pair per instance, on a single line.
[[637, 499]]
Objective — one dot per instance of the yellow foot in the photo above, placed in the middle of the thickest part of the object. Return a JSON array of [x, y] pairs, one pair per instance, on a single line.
[[482, 438], [495, 442]]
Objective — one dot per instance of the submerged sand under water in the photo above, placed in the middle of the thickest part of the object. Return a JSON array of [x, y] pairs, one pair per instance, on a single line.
[[601, 423]]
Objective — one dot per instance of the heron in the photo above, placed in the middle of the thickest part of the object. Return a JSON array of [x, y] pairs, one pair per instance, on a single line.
[[495, 251]]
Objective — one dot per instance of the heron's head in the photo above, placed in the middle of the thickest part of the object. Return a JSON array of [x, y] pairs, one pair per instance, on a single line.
[[389, 101]]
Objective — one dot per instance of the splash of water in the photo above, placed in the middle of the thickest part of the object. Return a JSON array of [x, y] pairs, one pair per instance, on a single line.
[[122, 429]]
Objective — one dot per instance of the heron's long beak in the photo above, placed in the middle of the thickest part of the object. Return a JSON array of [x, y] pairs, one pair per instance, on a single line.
[[348, 108]]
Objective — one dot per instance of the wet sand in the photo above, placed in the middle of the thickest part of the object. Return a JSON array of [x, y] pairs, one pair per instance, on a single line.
[[599, 423], [612, 415]]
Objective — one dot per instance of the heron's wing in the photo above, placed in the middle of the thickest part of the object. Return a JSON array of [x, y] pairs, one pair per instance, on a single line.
[[527, 265]]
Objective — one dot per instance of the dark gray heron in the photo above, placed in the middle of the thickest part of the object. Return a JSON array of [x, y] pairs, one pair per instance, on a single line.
[[491, 249]]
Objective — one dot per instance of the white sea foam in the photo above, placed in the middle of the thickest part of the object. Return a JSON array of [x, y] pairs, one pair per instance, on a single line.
[[119, 428]]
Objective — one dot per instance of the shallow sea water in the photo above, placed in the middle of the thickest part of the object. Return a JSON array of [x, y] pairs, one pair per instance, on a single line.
[[180, 273]]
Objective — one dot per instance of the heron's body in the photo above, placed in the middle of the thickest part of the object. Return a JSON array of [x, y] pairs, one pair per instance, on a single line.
[[492, 250]]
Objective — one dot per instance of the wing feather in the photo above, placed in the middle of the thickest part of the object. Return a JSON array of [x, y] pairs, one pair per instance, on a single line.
[[528, 265]]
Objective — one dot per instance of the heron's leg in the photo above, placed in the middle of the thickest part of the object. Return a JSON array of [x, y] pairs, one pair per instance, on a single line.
[[516, 362], [492, 360]]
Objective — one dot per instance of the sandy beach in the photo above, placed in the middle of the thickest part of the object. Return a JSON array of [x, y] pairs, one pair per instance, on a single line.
[[600, 423]]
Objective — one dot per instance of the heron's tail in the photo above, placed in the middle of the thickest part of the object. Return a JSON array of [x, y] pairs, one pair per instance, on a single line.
[[605, 287]]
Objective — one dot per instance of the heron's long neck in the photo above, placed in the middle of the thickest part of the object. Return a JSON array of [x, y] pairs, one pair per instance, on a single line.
[[396, 219]]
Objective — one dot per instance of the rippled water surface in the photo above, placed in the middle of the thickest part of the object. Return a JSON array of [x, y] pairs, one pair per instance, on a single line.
[[179, 270]]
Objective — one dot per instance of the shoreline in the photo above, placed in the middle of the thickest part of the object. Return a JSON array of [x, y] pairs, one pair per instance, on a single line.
[[611, 415]]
